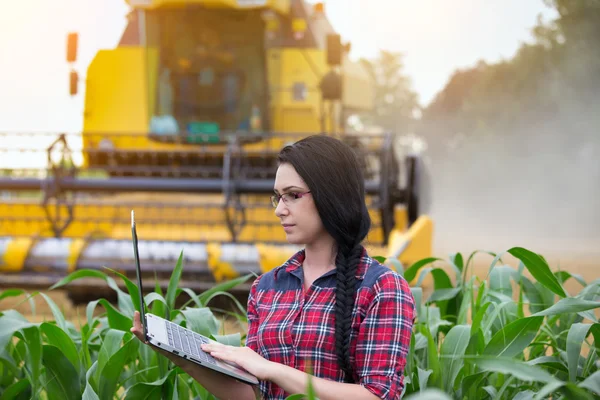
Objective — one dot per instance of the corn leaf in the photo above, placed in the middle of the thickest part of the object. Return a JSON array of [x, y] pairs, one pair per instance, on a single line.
[[147, 390], [62, 380], [8, 326], [33, 357], [11, 293], [58, 315], [234, 339], [540, 270], [90, 391], [61, 340], [110, 345], [226, 286], [79, 274], [569, 305], [592, 383], [19, 390], [575, 338], [411, 272], [174, 284], [429, 394], [513, 367], [201, 320], [514, 337], [452, 354], [114, 367]]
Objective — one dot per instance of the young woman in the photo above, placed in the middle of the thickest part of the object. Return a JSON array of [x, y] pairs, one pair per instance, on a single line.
[[330, 310]]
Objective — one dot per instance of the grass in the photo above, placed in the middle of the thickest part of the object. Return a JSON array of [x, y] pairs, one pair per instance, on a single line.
[[515, 333]]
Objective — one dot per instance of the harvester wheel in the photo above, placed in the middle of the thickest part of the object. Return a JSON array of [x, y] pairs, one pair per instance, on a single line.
[[417, 187]]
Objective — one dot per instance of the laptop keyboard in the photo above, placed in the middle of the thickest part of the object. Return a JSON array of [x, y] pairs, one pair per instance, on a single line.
[[188, 341]]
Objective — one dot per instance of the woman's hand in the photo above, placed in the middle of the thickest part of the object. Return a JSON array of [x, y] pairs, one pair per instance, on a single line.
[[137, 328], [138, 331], [245, 357]]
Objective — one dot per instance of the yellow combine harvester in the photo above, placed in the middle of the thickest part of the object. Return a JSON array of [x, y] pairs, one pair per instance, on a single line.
[[182, 123]]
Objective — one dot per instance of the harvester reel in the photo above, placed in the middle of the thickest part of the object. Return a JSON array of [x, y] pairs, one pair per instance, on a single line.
[[54, 196]]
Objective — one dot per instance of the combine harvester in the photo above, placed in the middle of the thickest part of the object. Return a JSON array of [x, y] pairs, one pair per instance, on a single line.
[[182, 123]]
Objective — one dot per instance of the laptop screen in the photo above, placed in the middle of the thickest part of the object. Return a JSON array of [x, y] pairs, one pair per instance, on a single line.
[[136, 255]]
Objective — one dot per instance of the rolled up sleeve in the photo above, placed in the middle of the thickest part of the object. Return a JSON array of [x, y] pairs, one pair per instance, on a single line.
[[384, 337]]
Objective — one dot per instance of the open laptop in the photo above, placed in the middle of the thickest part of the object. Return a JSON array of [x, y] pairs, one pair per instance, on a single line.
[[176, 339]]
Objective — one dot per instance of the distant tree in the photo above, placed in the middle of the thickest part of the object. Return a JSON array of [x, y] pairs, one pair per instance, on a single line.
[[396, 103], [560, 69]]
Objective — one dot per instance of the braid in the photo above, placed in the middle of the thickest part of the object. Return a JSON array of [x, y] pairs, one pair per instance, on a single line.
[[347, 261]]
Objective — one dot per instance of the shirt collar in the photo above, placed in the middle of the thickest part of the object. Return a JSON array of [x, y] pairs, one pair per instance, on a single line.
[[294, 265]]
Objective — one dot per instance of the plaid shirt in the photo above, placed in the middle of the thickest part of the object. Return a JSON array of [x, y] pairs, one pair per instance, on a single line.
[[291, 326]]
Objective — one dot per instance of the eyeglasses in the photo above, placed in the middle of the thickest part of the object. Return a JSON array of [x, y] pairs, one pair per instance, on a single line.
[[288, 198]]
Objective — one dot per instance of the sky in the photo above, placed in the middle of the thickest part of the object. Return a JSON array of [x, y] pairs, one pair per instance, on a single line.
[[436, 37]]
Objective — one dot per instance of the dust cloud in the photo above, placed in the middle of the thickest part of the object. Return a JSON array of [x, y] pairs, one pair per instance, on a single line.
[[536, 185]]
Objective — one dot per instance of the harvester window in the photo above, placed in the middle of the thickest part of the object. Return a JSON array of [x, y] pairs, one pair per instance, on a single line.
[[212, 68]]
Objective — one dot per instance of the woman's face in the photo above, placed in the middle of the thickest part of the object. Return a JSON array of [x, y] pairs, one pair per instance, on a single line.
[[296, 209]]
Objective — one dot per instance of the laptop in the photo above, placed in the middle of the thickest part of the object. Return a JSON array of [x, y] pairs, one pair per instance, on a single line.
[[176, 339]]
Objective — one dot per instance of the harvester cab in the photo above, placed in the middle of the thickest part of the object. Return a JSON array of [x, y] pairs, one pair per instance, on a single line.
[[182, 122]]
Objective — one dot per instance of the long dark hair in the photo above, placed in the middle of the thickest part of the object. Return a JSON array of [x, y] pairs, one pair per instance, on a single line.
[[331, 170]]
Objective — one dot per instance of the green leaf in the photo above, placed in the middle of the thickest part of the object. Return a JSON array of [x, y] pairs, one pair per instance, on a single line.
[[116, 320], [19, 390], [8, 326], [113, 369], [411, 272], [549, 388], [479, 317], [569, 305], [423, 378], [452, 354], [148, 390], [33, 357], [432, 361], [575, 338], [201, 320], [417, 293], [518, 369], [62, 379], [539, 269], [592, 383], [223, 287], [79, 274], [58, 315], [380, 259], [174, 283], [110, 345], [131, 288], [500, 279], [514, 337], [11, 293], [471, 383], [61, 340], [443, 294], [429, 394], [524, 395], [549, 362], [158, 303], [564, 276], [90, 392], [457, 260], [233, 339]]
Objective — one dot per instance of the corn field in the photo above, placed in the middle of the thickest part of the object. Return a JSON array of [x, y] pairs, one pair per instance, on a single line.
[[506, 336]]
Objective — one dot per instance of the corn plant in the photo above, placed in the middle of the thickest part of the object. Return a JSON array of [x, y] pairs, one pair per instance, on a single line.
[[502, 337], [100, 359]]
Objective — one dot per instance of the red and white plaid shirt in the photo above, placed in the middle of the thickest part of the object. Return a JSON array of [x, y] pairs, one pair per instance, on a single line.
[[291, 326]]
